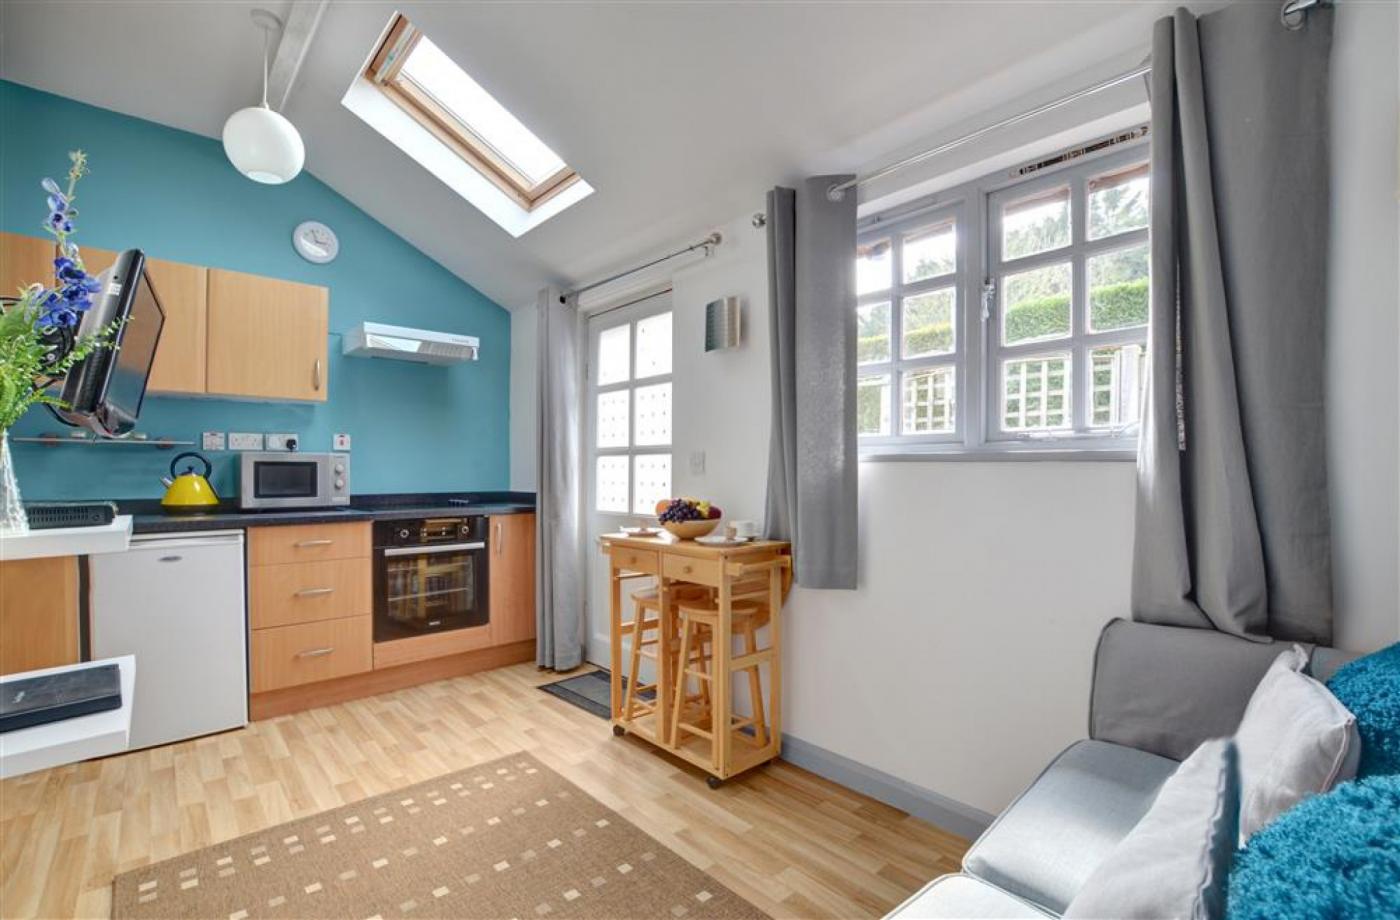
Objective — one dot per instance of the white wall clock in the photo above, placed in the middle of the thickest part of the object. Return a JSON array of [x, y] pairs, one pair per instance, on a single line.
[[315, 242]]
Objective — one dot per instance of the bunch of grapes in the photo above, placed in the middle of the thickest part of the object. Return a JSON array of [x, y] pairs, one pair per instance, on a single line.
[[680, 511]]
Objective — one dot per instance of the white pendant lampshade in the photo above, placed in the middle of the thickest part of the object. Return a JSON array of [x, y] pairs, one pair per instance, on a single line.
[[260, 143], [263, 145]]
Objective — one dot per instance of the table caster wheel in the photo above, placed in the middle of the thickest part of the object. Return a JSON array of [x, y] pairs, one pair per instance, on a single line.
[[714, 782], [619, 731]]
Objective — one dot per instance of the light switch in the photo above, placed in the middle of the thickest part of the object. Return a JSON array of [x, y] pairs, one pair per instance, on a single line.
[[697, 463], [212, 440], [245, 440]]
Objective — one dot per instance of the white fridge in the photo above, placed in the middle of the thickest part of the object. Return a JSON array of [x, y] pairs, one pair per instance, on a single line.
[[176, 602]]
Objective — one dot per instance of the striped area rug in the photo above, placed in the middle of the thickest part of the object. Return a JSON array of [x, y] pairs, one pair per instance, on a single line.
[[510, 838]]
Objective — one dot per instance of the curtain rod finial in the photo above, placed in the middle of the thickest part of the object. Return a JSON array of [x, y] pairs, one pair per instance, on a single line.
[[835, 193]]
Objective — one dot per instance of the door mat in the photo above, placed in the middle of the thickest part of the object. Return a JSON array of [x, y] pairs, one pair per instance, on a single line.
[[590, 692]]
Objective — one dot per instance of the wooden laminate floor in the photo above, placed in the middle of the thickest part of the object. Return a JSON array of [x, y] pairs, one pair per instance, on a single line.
[[790, 842]]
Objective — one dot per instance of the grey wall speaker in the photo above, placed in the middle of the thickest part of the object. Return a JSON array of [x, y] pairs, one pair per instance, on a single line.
[[722, 323]]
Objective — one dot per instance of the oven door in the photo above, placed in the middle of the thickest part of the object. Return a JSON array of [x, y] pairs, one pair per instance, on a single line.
[[426, 589]]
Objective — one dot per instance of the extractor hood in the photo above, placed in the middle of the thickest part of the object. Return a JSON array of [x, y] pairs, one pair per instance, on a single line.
[[380, 340]]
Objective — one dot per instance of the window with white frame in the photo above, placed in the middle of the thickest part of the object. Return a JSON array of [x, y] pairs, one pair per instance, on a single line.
[[1009, 314], [630, 384]]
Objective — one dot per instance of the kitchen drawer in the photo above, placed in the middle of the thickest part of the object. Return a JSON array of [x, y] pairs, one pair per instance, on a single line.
[[686, 568], [280, 595], [290, 655], [636, 560], [308, 543]]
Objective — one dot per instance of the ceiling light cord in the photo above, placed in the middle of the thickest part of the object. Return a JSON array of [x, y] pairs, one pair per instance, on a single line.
[[267, 40]]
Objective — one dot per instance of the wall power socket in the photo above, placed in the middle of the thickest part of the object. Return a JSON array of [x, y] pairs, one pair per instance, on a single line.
[[279, 441], [245, 440]]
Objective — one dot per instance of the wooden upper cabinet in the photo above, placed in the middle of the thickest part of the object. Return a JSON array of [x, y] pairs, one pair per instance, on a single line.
[[267, 337], [512, 581], [183, 293], [25, 260]]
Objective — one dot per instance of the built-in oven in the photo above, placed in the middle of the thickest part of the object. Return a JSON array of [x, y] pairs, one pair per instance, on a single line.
[[291, 479], [430, 575]]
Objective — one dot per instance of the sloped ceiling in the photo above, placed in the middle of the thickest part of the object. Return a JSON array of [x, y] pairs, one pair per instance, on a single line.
[[680, 114]]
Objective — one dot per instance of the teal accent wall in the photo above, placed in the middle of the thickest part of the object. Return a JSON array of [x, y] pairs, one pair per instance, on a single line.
[[174, 195]]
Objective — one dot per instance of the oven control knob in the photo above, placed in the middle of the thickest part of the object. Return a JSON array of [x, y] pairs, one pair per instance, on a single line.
[[403, 533], [339, 468], [340, 483]]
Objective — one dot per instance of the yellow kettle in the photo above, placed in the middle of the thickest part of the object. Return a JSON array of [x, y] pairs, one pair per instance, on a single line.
[[189, 491]]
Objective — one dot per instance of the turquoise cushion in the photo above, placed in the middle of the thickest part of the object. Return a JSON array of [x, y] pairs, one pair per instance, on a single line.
[[1370, 688], [1332, 856]]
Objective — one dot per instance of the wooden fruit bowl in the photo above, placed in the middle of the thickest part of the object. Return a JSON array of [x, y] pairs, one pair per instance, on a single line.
[[689, 530]]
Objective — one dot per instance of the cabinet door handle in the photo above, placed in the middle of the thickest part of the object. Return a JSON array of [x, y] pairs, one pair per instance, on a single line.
[[314, 592], [303, 544], [500, 539], [316, 652], [316, 377], [170, 558]]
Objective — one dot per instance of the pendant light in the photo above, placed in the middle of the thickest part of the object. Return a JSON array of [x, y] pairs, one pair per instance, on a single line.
[[260, 143]]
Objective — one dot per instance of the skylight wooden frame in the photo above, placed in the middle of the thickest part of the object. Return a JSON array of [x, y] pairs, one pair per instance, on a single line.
[[385, 73]]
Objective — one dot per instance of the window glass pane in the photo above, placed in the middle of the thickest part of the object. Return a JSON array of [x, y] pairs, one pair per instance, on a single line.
[[873, 267], [653, 415], [614, 354], [929, 401], [654, 346], [1035, 304], [873, 333], [1118, 201], [1035, 223], [1035, 393], [612, 418], [1119, 377], [1118, 289], [929, 324], [611, 485], [653, 478], [930, 252], [873, 404]]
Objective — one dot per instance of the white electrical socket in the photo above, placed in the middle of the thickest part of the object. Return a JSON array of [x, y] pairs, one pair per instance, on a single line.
[[212, 440], [697, 463], [245, 440], [281, 441], [340, 442]]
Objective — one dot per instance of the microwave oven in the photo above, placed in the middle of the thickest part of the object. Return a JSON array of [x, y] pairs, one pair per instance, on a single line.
[[288, 479]]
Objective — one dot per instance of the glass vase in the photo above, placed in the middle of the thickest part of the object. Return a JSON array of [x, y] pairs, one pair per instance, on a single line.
[[13, 520]]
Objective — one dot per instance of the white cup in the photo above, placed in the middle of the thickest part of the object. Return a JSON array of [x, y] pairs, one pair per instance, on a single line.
[[742, 529]]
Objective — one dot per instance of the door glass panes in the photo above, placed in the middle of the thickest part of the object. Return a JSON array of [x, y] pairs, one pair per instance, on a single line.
[[613, 408], [612, 483], [928, 324], [873, 267], [653, 481], [1118, 201], [1035, 393], [873, 333], [1118, 378], [930, 252], [1036, 304], [614, 355], [654, 346], [1118, 289], [928, 401], [653, 422], [873, 404], [1038, 222]]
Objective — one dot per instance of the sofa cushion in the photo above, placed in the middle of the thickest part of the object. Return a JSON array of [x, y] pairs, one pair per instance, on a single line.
[[1295, 740], [1176, 861], [1056, 833], [955, 897]]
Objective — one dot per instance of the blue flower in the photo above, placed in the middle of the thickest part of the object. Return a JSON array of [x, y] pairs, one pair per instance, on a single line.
[[51, 187], [57, 203], [59, 221], [66, 270]]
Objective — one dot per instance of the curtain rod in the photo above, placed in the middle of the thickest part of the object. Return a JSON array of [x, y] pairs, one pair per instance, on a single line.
[[1291, 16], [708, 244]]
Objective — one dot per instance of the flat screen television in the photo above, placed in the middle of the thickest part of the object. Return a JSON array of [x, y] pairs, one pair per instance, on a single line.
[[104, 391]]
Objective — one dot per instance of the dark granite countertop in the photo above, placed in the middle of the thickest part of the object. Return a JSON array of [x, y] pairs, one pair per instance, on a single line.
[[148, 517]]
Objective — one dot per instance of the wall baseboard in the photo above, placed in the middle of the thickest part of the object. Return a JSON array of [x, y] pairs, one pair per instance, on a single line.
[[949, 814]]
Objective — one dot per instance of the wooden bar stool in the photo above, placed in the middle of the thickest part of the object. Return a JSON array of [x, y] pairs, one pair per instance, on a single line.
[[697, 619], [645, 632]]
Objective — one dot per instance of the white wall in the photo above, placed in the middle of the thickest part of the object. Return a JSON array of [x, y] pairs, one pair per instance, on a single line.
[[962, 662], [524, 387]]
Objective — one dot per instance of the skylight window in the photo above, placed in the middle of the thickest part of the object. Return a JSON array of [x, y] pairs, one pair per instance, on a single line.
[[422, 81]]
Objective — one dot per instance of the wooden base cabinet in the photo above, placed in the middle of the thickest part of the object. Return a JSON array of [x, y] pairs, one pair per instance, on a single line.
[[512, 580], [38, 613]]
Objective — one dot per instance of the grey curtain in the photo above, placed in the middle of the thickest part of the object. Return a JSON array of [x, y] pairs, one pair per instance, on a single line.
[[1232, 527], [559, 616], [812, 454]]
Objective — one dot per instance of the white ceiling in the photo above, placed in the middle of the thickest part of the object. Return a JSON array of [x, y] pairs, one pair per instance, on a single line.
[[680, 114]]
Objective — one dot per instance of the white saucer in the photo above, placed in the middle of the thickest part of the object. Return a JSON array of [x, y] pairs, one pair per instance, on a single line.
[[721, 540]]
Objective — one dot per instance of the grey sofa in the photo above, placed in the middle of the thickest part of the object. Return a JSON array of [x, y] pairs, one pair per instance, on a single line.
[[1158, 692]]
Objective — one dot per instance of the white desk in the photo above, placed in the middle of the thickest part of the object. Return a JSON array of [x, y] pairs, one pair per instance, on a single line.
[[71, 740], [68, 541]]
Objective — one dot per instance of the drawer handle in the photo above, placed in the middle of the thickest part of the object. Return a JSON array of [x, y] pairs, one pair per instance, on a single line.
[[314, 592], [687, 569], [303, 544], [316, 652]]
